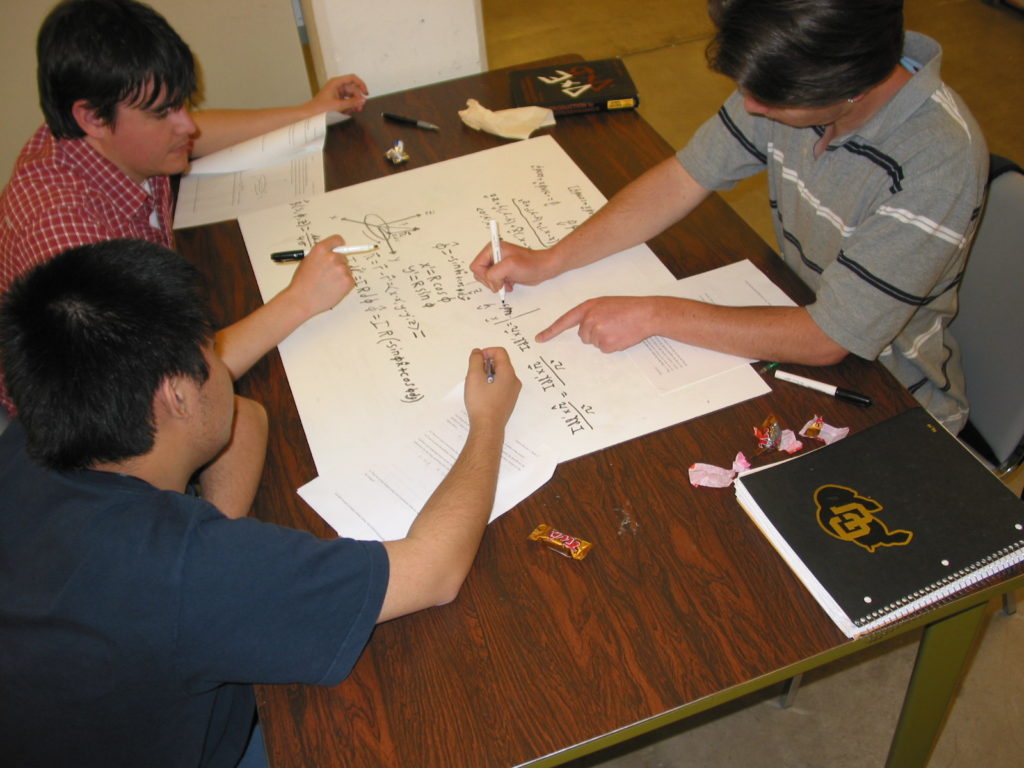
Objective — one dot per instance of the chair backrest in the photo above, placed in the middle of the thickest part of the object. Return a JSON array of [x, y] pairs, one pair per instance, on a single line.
[[990, 324]]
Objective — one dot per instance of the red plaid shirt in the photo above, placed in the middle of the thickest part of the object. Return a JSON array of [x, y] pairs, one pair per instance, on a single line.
[[63, 193]]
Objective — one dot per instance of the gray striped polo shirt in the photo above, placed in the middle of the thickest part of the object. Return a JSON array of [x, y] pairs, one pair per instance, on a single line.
[[878, 225]]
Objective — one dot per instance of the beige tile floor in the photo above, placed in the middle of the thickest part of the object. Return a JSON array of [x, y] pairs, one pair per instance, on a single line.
[[845, 713]]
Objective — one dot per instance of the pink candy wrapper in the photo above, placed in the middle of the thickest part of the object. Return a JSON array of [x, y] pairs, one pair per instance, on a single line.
[[817, 428], [788, 442], [710, 476], [769, 435]]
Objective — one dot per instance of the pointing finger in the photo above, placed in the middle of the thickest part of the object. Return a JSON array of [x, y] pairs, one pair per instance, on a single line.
[[565, 322]]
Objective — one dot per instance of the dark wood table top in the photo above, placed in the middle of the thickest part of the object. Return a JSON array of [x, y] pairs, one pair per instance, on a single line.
[[680, 598]]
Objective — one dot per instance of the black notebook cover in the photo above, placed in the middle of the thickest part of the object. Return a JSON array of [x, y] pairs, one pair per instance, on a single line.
[[886, 521], [589, 86]]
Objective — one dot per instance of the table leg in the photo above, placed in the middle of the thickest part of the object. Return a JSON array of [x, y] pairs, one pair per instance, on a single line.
[[941, 658], [791, 686]]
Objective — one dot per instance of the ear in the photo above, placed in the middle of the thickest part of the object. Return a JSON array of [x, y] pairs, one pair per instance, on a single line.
[[90, 122], [175, 398]]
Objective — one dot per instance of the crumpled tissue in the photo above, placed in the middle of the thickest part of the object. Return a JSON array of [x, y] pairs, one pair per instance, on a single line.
[[516, 123]]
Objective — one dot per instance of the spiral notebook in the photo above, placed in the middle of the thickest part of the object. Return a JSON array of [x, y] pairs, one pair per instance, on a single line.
[[886, 522]]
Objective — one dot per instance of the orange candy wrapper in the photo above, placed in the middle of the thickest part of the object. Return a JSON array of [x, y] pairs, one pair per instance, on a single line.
[[562, 543]]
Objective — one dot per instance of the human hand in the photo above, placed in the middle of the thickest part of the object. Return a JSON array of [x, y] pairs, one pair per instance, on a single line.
[[517, 265], [610, 323], [323, 278], [491, 402], [346, 93]]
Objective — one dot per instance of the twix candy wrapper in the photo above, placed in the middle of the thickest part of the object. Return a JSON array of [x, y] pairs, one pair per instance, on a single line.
[[562, 543]]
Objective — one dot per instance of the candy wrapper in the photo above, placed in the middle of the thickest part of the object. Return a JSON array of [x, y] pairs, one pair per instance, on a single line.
[[768, 435], [710, 476], [788, 442], [817, 429], [562, 543], [397, 153]]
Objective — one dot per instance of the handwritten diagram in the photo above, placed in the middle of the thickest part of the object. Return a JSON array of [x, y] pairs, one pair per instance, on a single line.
[[377, 229]]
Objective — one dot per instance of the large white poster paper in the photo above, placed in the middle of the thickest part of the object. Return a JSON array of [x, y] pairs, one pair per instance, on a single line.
[[373, 371]]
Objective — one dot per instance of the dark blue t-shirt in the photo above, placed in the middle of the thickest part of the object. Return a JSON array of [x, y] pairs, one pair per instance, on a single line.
[[133, 620]]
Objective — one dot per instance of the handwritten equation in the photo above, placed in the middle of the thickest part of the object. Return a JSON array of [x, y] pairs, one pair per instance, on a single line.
[[401, 285], [550, 376]]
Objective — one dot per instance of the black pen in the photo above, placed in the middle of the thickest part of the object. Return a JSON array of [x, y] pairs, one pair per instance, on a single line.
[[829, 389], [410, 121], [300, 255], [489, 368]]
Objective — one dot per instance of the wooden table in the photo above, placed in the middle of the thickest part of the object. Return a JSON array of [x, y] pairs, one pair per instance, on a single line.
[[681, 605]]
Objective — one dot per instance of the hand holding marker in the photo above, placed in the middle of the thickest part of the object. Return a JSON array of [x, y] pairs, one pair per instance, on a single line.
[[496, 254]]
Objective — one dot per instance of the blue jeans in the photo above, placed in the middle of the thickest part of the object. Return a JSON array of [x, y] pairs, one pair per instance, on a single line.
[[255, 754]]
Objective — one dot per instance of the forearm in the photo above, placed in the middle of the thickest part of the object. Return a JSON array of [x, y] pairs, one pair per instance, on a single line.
[[221, 128], [783, 334], [230, 481], [640, 211], [241, 344], [431, 562], [321, 280], [458, 510]]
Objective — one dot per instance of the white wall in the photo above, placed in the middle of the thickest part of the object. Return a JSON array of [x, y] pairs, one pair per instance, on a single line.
[[395, 44], [18, 93], [248, 51]]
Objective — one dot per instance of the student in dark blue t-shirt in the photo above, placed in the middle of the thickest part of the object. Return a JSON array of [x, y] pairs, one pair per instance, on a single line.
[[133, 615]]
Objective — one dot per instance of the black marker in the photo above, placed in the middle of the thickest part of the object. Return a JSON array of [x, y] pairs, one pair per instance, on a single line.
[[300, 255], [829, 389], [410, 121]]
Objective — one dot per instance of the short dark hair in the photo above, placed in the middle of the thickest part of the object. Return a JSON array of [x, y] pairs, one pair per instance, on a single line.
[[805, 53], [87, 337], [109, 52]]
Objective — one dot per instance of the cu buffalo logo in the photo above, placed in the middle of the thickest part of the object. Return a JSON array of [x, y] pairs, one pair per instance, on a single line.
[[848, 516]]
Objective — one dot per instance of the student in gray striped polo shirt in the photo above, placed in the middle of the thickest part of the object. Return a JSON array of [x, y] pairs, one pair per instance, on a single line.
[[876, 175]]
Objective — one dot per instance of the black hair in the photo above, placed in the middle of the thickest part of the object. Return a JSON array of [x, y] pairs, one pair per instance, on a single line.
[[805, 53], [86, 339], [107, 53]]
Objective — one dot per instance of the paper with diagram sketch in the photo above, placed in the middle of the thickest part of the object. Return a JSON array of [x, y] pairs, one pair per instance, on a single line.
[[370, 375]]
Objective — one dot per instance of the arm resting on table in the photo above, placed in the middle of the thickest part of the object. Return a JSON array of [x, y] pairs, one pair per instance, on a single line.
[[428, 566], [783, 334]]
